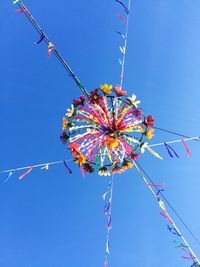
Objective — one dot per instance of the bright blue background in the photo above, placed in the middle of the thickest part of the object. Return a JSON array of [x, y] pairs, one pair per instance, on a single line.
[[56, 220]]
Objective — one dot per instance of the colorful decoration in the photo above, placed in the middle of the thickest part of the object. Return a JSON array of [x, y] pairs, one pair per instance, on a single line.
[[106, 131]]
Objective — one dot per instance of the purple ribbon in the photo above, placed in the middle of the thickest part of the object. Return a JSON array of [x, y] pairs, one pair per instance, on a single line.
[[69, 170], [125, 8], [169, 149]]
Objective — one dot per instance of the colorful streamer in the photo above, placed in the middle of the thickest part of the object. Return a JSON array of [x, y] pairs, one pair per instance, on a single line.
[[125, 8], [66, 166], [173, 230], [122, 35], [27, 172], [9, 175], [16, 1], [169, 149], [189, 154], [122, 18], [42, 36]]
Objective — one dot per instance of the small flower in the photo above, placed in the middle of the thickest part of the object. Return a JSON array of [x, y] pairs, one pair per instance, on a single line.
[[80, 101], [119, 91], [64, 137], [65, 123], [107, 89], [95, 97], [143, 146], [127, 165], [88, 167], [133, 101], [135, 157], [80, 159], [74, 149], [149, 121], [112, 143], [70, 112], [104, 172], [117, 169], [149, 133]]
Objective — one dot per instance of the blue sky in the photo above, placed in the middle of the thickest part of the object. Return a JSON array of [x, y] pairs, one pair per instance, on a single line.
[[56, 220]]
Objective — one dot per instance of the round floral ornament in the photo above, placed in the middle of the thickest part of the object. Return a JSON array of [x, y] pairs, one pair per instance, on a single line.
[[107, 130]]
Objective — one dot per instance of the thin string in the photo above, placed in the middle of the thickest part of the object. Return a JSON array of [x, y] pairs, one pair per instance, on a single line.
[[110, 214], [196, 138], [125, 46], [55, 51], [170, 205], [36, 165], [171, 132], [138, 168]]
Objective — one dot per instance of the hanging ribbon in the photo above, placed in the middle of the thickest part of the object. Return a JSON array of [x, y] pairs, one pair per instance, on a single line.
[[24, 174], [42, 36], [123, 36], [158, 194], [157, 185], [173, 230], [120, 62], [66, 166], [189, 154], [51, 48], [122, 49], [180, 245], [191, 257], [162, 205], [109, 226], [154, 153], [122, 18], [169, 149], [46, 167], [9, 176], [16, 1], [19, 11], [125, 8], [107, 209], [166, 217]]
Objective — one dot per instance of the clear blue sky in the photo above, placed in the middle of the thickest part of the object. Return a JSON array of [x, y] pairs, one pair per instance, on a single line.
[[56, 220]]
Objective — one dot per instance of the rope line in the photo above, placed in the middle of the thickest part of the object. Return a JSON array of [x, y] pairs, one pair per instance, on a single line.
[[125, 46], [55, 51], [171, 132], [196, 138], [141, 171], [170, 205]]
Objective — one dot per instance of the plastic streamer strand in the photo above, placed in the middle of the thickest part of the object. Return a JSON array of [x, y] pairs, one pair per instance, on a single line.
[[108, 196], [47, 41], [196, 138], [122, 62], [167, 216], [41, 165]]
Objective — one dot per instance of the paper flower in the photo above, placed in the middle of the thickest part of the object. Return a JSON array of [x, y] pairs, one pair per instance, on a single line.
[[65, 122], [104, 172], [95, 97], [149, 121], [80, 101], [127, 165], [143, 146], [88, 167], [64, 137], [80, 159], [117, 169], [149, 133], [118, 91], [70, 112], [112, 143], [107, 89], [133, 101]]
